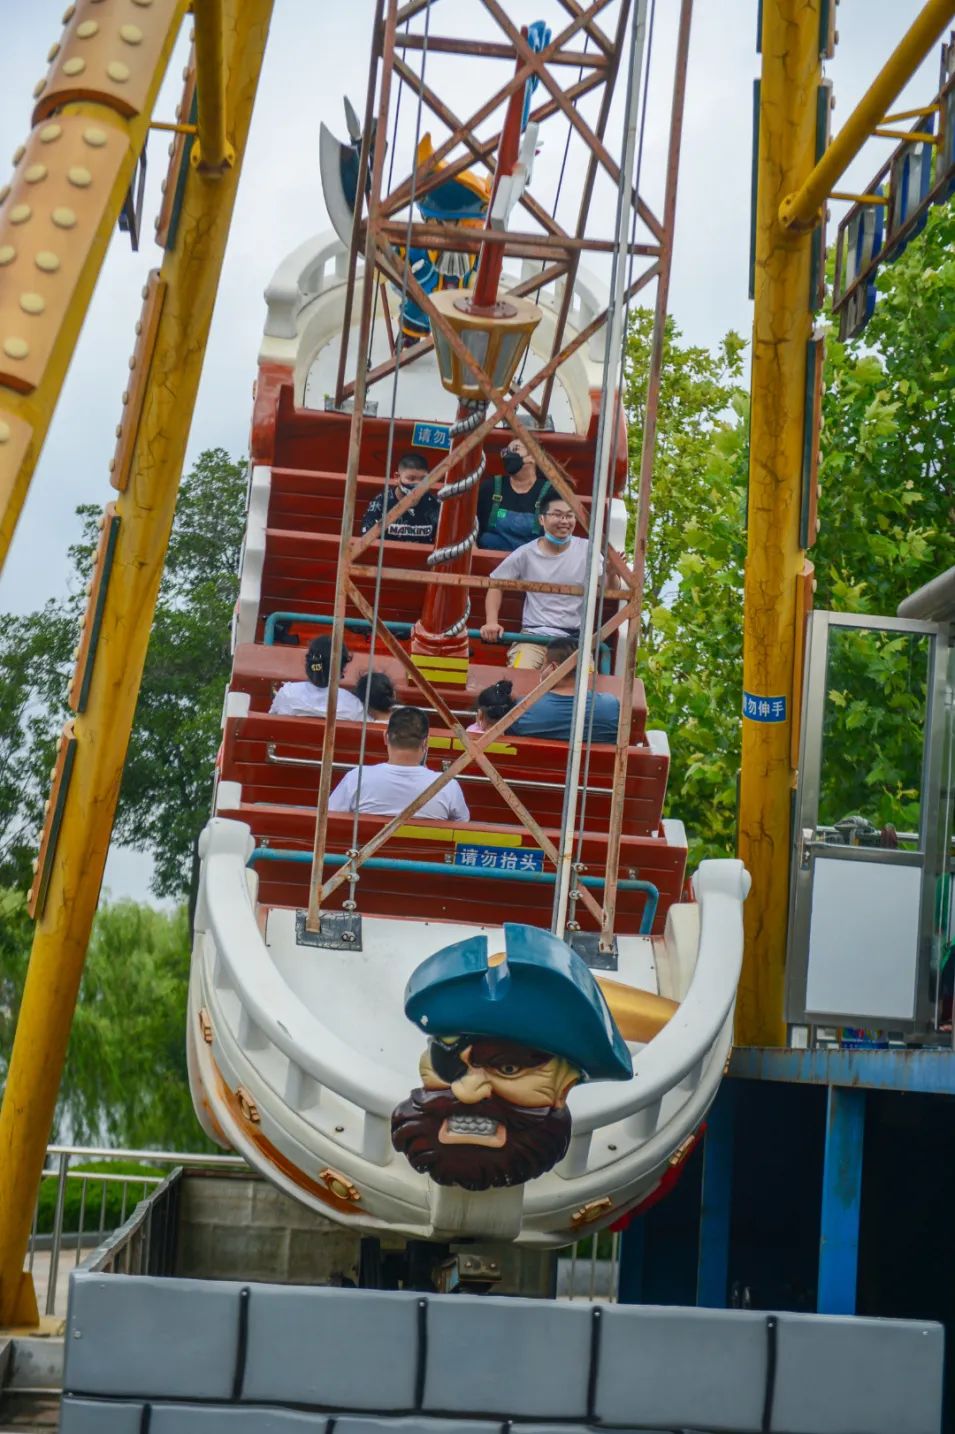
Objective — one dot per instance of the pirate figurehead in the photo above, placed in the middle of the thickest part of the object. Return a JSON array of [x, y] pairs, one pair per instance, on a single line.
[[510, 1033]]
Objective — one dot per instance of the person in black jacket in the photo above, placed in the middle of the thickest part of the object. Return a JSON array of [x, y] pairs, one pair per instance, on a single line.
[[420, 523]]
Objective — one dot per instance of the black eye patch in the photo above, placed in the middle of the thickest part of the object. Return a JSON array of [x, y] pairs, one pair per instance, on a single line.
[[446, 1059]]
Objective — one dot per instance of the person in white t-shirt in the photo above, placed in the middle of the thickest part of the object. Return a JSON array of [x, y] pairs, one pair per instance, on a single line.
[[555, 557], [310, 698], [389, 786]]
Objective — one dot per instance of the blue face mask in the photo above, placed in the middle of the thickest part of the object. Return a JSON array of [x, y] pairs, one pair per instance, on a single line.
[[558, 542]]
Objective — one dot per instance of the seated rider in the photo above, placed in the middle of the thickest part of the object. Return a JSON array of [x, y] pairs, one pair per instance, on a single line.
[[508, 509], [388, 787], [551, 714], [378, 690], [420, 523], [492, 704], [310, 698], [555, 557]]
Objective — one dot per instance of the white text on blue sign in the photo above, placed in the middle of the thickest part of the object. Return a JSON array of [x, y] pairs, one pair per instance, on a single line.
[[497, 858], [764, 709], [430, 435]]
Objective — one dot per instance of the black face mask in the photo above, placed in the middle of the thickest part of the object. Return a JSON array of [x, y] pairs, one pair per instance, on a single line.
[[511, 462]]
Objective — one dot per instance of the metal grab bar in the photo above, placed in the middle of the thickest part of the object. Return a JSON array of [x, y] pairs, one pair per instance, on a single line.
[[434, 868], [276, 759], [404, 629]]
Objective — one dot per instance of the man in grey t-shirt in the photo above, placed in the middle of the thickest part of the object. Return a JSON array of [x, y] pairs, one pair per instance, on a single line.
[[555, 557]]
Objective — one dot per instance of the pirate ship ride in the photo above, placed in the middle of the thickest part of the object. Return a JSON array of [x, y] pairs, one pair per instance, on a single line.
[[572, 990]]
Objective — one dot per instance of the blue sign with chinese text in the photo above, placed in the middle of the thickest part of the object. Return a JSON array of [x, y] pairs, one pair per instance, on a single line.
[[430, 435], [498, 858], [764, 709]]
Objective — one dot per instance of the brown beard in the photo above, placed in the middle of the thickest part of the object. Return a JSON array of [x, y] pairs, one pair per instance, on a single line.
[[536, 1139]]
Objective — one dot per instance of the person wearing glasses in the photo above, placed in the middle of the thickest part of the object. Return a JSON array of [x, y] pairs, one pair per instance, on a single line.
[[555, 557]]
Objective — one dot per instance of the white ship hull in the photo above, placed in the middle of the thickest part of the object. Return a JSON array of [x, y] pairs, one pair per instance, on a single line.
[[298, 1057]]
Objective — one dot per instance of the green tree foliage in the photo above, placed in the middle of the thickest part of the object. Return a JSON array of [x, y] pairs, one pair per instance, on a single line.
[[691, 640], [887, 525], [125, 1076], [16, 933], [887, 522], [886, 487], [125, 1079], [164, 799], [35, 657], [167, 783]]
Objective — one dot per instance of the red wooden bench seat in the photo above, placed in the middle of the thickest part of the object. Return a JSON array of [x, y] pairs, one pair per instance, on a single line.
[[289, 437], [300, 574], [278, 760], [260, 671], [444, 898], [309, 501]]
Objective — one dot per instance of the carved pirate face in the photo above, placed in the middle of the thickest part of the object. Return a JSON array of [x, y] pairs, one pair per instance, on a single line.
[[489, 1112]]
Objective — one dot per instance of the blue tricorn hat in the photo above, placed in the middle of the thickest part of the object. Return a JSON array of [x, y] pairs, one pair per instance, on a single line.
[[538, 992]]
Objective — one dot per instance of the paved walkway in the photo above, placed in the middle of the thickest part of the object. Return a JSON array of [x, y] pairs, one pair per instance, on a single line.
[[41, 1279]]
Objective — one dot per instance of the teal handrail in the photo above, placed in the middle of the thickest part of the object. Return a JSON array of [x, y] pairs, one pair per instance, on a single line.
[[404, 629], [434, 868]]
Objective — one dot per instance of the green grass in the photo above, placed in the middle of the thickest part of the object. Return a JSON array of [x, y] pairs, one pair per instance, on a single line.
[[94, 1196]]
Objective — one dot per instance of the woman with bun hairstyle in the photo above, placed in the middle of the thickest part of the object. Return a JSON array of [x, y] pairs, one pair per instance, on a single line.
[[492, 704], [310, 698]]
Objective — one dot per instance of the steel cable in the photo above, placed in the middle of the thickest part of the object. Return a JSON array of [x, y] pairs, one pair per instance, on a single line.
[[627, 303], [389, 454]]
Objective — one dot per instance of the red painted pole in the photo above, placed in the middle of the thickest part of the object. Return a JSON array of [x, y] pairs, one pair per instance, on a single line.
[[445, 613]]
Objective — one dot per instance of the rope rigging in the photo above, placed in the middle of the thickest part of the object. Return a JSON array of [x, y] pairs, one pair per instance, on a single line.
[[461, 427]]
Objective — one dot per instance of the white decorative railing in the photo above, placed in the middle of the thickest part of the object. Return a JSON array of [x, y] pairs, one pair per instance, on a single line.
[[680, 1056]]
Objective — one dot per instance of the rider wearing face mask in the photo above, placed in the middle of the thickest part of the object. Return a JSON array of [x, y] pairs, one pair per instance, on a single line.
[[555, 557], [509, 503]]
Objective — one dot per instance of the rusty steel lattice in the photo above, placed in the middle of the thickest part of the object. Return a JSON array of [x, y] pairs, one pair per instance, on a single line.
[[586, 44]]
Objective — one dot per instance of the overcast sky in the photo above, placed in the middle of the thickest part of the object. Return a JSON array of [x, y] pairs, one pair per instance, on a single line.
[[317, 52]]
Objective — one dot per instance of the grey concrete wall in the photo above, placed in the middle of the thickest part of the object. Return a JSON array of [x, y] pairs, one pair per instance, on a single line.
[[239, 1227], [200, 1356]]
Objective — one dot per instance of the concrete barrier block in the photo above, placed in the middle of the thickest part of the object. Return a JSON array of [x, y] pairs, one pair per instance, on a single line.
[[681, 1368], [98, 1416], [507, 1357], [144, 1336], [337, 1348], [842, 1375], [232, 1419]]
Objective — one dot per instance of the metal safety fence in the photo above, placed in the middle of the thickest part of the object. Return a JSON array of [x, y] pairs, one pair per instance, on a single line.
[[90, 1209], [85, 1195]]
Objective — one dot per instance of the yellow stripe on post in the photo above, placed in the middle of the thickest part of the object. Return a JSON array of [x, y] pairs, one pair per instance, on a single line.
[[448, 664]]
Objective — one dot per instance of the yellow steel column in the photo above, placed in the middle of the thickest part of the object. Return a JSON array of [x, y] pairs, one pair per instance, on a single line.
[[782, 324], [49, 259], [799, 210], [145, 510]]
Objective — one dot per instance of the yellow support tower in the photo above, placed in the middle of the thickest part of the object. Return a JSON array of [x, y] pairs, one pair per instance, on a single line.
[[150, 454], [792, 188], [59, 211], [782, 326]]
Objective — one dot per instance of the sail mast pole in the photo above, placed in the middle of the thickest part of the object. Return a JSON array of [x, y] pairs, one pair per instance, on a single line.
[[605, 455], [442, 628]]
